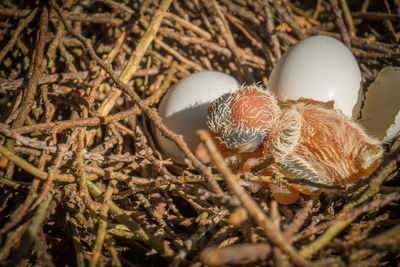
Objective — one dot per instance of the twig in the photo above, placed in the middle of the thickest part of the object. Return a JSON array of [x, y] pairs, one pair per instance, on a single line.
[[375, 15], [145, 41], [340, 22], [194, 239], [336, 228], [348, 17], [30, 92], [76, 240], [66, 178], [21, 26], [249, 204], [102, 224], [147, 238], [178, 139], [273, 39], [235, 254]]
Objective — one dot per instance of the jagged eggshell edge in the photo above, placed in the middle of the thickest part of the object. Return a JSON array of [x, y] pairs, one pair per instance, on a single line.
[[380, 115]]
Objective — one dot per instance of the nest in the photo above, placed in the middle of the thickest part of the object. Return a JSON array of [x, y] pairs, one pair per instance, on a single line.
[[81, 180]]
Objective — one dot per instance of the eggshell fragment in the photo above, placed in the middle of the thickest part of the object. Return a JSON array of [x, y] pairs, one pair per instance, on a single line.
[[380, 115], [184, 108], [320, 68]]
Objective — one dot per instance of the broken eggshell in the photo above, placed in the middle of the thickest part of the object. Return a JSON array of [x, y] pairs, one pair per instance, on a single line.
[[319, 68], [380, 115], [184, 108]]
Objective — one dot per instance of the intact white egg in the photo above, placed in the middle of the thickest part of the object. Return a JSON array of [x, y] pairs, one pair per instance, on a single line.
[[184, 108], [321, 68], [380, 115]]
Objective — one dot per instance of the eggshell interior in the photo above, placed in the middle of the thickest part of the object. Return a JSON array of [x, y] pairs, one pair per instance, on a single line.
[[184, 108], [321, 68], [380, 115]]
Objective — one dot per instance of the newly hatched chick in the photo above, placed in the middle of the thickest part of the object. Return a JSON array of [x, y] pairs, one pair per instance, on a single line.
[[308, 141]]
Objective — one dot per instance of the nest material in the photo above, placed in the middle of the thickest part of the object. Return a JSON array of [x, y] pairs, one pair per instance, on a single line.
[[81, 180]]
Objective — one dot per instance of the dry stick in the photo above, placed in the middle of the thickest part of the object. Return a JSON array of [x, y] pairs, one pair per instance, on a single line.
[[120, 215], [242, 11], [79, 253], [15, 185], [12, 239], [317, 9], [93, 121], [365, 6], [191, 242], [254, 40], [45, 79], [17, 216], [136, 57], [159, 92], [100, 77], [348, 217], [109, 244], [59, 126], [101, 18], [178, 139], [176, 54], [235, 254], [43, 202], [389, 239], [389, 24], [224, 29], [30, 92], [102, 224], [249, 204], [170, 16], [186, 40], [375, 15], [187, 24], [348, 17], [32, 230], [300, 218], [289, 20], [167, 231], [145, 41], [20, 162], [340, 23], [21, 26], [273, 39], [42, 145], [63, 77], [336, 228], [52, 49]]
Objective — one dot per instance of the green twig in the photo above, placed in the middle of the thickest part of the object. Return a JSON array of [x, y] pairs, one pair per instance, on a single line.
[[20, 162], [119, 214], [335, 229]]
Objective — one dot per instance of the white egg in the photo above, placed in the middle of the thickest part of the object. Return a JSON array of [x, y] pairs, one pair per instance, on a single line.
[[380, 115], [184, 108], [321, 68]]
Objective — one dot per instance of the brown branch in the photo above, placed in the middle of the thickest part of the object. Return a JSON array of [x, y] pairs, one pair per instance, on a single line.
[[273, 39], [340, 23], [178, 139], [348, 17], [375, 15], [145, 41], [249, 204], [21, 26], [235, 254], [30, 91], [100, 18]]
